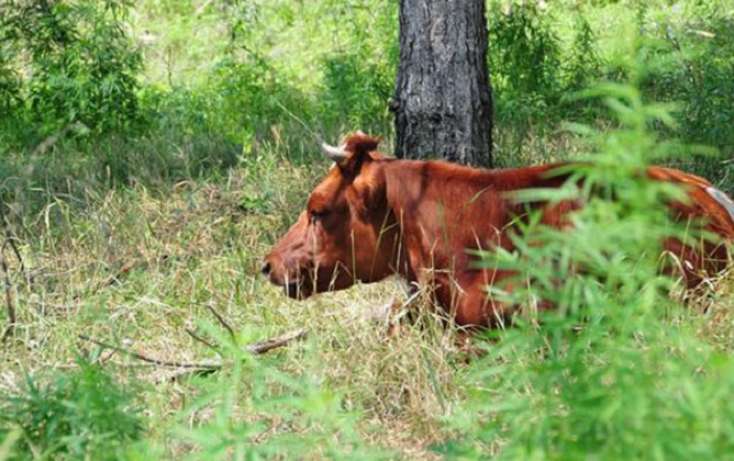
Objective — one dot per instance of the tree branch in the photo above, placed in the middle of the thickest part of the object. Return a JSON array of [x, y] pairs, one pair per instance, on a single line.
[[203, 341]]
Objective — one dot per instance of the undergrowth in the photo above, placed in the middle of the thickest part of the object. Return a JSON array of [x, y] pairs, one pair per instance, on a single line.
[[136, 204], [79, 414], [617, 369]]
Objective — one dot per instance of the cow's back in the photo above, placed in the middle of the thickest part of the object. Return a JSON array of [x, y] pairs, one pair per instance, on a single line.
[[705, 200]]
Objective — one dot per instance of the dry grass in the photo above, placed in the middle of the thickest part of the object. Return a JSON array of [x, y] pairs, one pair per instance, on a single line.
[[137, 266]]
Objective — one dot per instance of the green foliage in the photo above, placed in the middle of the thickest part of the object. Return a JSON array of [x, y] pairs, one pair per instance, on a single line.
[[616, 369], [231, 96], [524, 58], [79, 63], [9, 83], [582, 63], [262, 412], [359, 79], [275, 80], [83, 414], [694, 53], [356, 90], [533, 66], [357, 72], [248, 99], [541, 51]]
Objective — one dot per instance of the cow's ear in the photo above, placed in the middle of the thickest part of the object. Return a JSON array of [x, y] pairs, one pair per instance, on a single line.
[[358, 146], [360, 143], [352, 153]]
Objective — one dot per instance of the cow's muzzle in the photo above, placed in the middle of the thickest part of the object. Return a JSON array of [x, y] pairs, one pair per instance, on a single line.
[[298, 286]]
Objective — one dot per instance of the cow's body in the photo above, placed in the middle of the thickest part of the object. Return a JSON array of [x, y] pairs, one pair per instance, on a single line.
[[373, 216]]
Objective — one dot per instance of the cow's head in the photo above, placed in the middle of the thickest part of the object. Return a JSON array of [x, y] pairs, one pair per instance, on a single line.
[[346, 233]]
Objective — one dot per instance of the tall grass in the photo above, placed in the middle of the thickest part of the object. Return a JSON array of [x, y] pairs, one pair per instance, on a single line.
[[76, 415], [261, 412], [125, 233]]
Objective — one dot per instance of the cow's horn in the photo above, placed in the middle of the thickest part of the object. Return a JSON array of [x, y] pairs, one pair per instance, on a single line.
[[337, 154]]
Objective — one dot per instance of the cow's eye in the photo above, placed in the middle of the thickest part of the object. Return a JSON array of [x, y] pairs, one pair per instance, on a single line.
[[318, 214]]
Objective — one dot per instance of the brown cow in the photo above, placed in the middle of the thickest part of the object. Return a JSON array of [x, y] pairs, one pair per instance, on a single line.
[[374, 216]]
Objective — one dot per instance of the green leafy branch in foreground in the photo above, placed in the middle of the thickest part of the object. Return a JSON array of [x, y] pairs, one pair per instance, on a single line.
[[263, 412], [612, 372], [83, 414]]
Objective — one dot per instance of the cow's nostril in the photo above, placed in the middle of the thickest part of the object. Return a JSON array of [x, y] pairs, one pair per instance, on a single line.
[[265, 269]]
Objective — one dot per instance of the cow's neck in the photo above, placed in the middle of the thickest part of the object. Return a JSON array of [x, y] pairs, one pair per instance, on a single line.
[[444, 209], [426, 200]]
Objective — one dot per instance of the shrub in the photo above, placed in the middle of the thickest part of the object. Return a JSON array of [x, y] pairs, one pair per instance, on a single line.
[[356, 91], [9, 83], [79, 64], [524, 60], [82, 414], [694, 55], [261, 411], [612, 372], [582, 64]]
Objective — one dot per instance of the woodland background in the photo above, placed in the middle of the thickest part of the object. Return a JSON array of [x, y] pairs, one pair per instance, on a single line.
[[151, 151]]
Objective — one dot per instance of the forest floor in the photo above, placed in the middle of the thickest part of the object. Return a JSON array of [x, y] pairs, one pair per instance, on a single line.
[[140, 269]]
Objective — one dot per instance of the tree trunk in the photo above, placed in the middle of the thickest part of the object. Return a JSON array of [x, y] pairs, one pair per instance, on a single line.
[[443, 101]]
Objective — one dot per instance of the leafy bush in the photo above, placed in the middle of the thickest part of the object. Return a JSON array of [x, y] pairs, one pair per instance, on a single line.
[[78, 62], [9, 83], [355, 75], [250, 98], [356, 91], [693, 53], [615, 370], [581, 64], [524, 59], [82, 414], [359, 78], [260, 412]]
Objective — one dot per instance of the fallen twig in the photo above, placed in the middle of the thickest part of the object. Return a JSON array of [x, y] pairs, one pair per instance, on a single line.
[[257, 348], [10, 306], [10, 241], [54, 138], [203, 341], [221, 320], [159, 362], [274, 343], [202, 8]]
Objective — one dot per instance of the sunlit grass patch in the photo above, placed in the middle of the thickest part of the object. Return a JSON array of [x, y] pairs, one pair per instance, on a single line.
[[137, 267]]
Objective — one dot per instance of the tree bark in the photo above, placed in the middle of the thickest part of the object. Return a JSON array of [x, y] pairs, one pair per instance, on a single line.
[[443, 101]]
